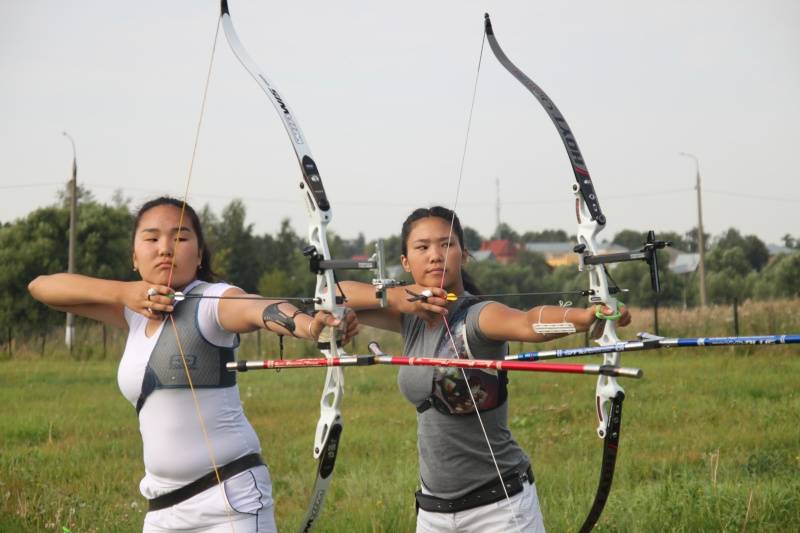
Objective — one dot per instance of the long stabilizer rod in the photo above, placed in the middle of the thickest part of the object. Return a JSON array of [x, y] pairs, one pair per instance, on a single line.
[[379, 358], [648, 341]]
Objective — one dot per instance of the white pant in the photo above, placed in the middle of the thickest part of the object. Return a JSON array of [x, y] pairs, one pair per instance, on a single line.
[[249, 508], [519, 514]]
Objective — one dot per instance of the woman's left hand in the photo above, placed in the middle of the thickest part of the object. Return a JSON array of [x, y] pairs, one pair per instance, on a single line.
[[622, 321], [348, 324], [625, 319]]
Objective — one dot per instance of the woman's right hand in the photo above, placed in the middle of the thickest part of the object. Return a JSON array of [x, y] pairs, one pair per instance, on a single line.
[[149, 300], [431, 309]]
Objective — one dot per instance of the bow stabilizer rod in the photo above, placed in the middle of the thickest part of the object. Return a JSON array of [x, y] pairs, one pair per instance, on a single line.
[[378, 357], [688, 342], [648, 341]]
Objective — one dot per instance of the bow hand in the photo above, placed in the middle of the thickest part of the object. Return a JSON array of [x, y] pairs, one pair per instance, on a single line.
[[346, 327], [597, 316]]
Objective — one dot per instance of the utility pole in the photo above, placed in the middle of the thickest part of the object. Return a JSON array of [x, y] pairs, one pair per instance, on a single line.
[[497, 207], [69, 336], [700, 236]]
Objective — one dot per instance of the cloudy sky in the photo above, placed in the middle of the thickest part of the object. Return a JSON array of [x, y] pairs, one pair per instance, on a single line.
[[383, 90]]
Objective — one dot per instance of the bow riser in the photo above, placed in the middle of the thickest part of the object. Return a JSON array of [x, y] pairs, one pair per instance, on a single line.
[[329, 426], [600, 293]]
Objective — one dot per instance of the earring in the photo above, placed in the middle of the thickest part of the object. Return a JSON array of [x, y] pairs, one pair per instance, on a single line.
[[134, 268]]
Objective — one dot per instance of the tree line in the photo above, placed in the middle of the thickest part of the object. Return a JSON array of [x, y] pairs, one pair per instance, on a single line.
[[737, 266]]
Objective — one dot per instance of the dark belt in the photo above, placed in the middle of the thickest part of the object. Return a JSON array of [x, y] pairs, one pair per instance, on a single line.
[[197, 486], [492, 492]]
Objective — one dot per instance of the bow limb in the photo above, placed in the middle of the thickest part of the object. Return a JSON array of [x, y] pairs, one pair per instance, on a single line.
[[609, 395], [329, 426], [591, 220]]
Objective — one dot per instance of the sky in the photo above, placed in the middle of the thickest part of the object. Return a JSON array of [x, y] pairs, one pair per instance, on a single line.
[[383, 92]]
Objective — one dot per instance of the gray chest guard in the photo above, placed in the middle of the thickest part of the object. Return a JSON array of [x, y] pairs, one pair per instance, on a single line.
[[449, 394], [206, 361]]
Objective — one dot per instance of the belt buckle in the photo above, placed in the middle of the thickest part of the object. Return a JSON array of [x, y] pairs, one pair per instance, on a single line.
[[526, 476]]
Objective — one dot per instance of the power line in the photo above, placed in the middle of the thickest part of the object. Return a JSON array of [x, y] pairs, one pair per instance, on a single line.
[[754, 196], [380, 203], [31, 185]]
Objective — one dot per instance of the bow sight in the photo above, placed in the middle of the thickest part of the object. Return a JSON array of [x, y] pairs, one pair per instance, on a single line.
[[648, 254], [317, 265]]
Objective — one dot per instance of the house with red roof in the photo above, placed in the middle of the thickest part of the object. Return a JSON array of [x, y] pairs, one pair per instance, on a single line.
[[503, 250]]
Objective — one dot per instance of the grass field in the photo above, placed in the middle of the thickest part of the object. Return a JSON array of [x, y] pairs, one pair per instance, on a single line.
[[710, 439]]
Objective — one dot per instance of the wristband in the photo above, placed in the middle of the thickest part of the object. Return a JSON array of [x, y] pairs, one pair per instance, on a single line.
[[272, 313]]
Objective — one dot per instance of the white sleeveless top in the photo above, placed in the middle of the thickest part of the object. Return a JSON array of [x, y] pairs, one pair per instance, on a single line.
[[174, 447]]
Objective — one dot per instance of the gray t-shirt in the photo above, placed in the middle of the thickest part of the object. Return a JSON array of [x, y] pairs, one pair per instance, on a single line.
[[454, 458]]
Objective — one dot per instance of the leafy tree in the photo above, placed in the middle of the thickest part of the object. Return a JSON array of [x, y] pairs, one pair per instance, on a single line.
[[691, 241], [391, 248], [64, 195], [548, 235], [104, 242], [632, 240], [346, 248], [118, 199], [30, 247], [568, 278], [754, 249], [297, 281], [533, 261], [38, 244], [634, 279], [236, 255], [791, 242], [358, 246], [727, 275], [732, 261], [287, 246], [533, 275], [677, 240], [209, 221], [504, 231], [780, 278], [472, 239]]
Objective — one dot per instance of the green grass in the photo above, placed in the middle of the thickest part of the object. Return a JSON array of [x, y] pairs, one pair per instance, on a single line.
[[710, 442]]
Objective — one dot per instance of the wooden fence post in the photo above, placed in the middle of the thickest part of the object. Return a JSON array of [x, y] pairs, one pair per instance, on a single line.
[[655, 315]]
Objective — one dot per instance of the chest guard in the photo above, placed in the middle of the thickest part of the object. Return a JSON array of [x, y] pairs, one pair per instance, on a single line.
[[450, 391], [206, 361]]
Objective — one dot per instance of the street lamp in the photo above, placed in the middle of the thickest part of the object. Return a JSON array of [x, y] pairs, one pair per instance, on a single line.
[[700, 236], [69, 335]]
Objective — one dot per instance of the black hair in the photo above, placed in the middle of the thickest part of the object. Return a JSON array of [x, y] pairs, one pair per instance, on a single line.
[[204, 271], [451, 218]]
